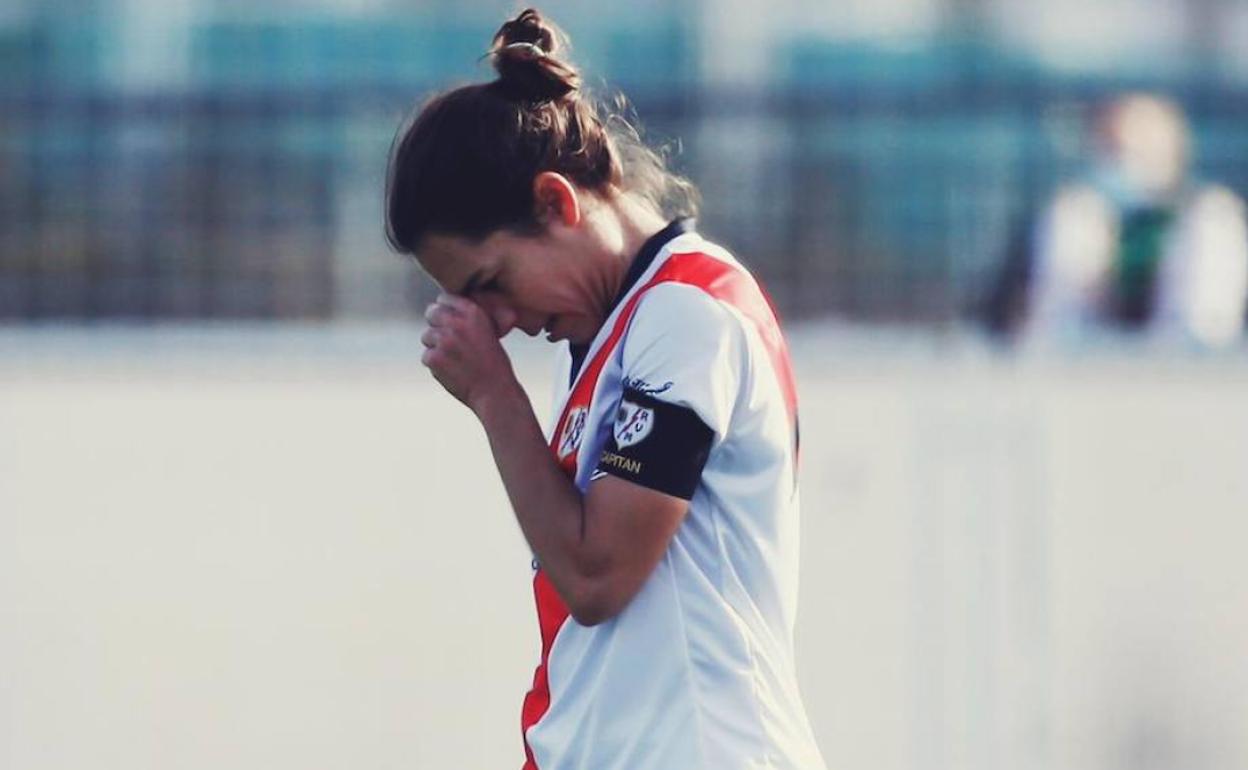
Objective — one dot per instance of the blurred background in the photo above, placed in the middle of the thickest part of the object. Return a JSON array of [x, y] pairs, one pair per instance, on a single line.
[[240, 525]]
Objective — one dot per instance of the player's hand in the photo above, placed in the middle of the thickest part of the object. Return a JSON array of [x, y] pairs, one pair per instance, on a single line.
[[463, 351]]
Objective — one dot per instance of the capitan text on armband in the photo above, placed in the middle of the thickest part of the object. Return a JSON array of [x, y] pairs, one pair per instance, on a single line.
[[621, 462]]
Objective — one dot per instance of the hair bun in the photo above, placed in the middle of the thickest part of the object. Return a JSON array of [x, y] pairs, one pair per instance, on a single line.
[[525, 51]]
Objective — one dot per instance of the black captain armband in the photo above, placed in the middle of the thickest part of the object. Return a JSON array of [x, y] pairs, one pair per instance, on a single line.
[[658, 445]]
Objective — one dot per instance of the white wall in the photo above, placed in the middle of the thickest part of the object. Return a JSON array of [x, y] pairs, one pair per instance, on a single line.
[[257, 549]]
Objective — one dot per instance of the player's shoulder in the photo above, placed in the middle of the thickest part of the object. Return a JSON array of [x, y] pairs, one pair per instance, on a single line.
[[683, 319], [681, 333], [681, 303], [690, 282]]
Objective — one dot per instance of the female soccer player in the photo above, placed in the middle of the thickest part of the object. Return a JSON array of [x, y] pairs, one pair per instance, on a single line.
[[661, 506]]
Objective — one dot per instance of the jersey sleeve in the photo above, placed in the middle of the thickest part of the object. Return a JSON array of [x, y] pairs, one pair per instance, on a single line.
[[682, 363]]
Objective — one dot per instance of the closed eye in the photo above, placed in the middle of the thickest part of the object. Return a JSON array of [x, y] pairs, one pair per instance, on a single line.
[[476, 283]]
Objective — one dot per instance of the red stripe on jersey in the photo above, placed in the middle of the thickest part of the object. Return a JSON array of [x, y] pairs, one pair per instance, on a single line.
[[551, 614], [720, 280], [739, 289]]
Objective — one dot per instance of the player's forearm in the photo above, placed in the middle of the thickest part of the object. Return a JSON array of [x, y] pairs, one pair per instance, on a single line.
[[546, 503]]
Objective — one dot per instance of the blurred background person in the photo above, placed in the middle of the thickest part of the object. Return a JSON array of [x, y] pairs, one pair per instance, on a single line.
[[1138, 244]]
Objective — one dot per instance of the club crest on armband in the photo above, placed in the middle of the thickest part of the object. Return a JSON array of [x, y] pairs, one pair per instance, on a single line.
[[632, 423], [573, 429]]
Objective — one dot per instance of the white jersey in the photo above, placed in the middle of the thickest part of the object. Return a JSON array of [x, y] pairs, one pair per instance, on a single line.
[[687, 389]]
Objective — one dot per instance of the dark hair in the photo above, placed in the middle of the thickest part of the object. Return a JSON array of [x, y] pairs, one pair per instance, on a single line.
[[464, 165]]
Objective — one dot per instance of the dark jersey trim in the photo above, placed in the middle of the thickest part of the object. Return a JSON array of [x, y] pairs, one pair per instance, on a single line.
[[658, 445]]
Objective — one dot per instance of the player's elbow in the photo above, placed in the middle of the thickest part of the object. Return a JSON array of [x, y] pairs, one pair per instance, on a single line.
[[595, 613], [597, 600], [592, 614]]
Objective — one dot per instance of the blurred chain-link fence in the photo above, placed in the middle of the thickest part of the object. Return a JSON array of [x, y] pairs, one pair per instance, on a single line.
[[859, 182]]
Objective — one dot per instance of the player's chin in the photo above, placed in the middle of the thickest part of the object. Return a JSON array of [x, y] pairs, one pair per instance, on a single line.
[[572, 330], [554, 328]]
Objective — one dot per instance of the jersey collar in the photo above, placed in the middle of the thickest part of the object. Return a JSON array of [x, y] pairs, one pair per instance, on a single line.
[[646, 254]]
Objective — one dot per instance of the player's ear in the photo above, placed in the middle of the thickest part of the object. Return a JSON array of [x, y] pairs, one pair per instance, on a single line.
[[556, 200]]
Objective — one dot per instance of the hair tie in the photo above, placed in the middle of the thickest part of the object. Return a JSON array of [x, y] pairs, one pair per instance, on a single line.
[[533, 48]]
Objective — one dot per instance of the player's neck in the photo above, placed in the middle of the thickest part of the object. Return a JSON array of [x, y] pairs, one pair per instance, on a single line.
[[626, 225]]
